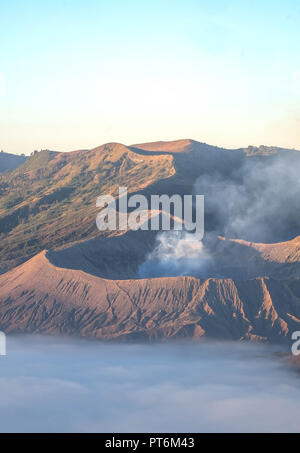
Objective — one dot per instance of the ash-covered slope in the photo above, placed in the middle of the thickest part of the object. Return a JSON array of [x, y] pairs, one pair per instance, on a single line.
[[49, 201], [249, 259], [88, 284], [39, 297], [281, 252]]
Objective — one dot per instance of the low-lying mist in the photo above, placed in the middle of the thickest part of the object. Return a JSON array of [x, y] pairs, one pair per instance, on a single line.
[[57, 385]]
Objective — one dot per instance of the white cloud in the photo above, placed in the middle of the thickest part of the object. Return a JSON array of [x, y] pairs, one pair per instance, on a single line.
[[49, 384]]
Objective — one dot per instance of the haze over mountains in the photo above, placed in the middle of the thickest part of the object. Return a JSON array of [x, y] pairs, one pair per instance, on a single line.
[[88, 283], [10, 161]]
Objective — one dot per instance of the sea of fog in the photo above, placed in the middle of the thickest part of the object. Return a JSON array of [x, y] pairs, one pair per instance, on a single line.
[[66, 385]]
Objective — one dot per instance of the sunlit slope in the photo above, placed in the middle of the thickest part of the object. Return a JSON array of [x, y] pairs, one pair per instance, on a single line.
[[50, 201], [39, 297]]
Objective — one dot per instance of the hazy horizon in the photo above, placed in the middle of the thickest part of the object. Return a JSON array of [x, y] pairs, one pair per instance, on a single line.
[[158, 141], [79, 74]]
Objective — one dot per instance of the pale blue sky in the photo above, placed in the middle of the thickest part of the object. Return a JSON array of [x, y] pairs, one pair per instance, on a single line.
[[76, 74]]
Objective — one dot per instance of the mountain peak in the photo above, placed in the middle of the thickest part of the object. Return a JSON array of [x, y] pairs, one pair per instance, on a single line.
[[174, 146]]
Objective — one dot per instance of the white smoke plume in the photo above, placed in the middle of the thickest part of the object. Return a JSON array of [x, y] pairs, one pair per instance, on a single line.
[[176, 253], [258, 201]]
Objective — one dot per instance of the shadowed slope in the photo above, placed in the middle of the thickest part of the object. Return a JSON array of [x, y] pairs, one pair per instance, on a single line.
[[280, 260], [10, 161]]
